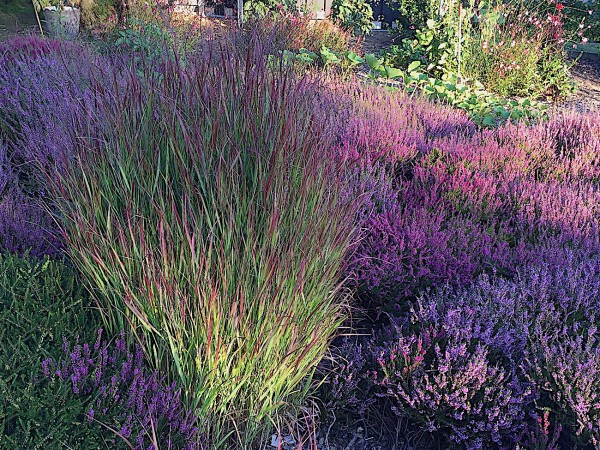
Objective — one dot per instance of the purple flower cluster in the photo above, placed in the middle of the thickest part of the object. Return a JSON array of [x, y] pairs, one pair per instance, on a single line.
[[44, 84], [451, 386], [484, 248], [483, 365], [446, 203], [125, 395]]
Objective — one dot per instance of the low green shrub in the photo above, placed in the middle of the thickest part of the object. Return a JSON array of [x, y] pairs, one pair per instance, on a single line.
[[483, 107], [40, 303], [145, 38]]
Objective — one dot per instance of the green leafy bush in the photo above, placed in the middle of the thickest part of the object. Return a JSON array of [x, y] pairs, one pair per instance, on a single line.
[[514, 48], [40, 303], [206, 216], [413, 14], [483, 107], [439, 42], [265, 8], [146, 38], [353, 15]]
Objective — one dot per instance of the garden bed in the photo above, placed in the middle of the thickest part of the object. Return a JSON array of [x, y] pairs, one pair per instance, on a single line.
[[236, 240]]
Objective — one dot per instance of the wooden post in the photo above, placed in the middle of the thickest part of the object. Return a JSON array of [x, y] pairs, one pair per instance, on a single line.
[[37, 17]]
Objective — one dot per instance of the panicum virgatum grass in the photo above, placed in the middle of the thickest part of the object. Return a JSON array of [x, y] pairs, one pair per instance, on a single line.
[[205, 212]]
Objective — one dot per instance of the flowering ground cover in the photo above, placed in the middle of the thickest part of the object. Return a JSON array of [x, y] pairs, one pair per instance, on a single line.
[[219, 216]]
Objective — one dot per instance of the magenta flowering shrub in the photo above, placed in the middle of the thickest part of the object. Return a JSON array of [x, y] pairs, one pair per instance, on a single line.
[[137, 404], [445, 203], [375, 123]]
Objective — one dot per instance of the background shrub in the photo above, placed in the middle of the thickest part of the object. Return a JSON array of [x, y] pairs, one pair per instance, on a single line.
[[353, 15]]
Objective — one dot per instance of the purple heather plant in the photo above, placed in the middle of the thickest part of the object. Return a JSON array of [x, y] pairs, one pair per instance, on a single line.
[[44, 84], [450, 386], [31, 47], [126, 396], [447, 385], [523, 343], [447, 203]]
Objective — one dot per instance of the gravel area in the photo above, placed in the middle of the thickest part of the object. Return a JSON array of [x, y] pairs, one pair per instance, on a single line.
[[586, 74]]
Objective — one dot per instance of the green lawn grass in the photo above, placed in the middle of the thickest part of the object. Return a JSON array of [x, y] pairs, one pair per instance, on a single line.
[[16, 15]]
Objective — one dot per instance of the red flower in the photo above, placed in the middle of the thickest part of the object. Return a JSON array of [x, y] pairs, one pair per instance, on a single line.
[[560, 6]]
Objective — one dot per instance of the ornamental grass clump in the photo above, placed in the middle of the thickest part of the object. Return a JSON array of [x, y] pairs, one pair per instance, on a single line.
[[205, 213]]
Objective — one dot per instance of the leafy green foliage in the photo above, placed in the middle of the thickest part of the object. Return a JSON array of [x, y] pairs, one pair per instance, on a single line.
[[40, 303], [438, 43], [145, 38], [264, 8], [514, 48], [413, 14], [355, 15], [483, 107]]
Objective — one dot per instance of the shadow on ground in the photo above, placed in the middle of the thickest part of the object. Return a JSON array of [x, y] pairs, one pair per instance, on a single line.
[[16, 16]]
